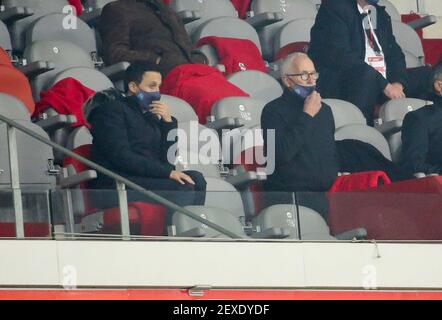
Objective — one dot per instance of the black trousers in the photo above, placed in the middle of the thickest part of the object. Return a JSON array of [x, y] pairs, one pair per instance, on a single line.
[[362, 89], [182, 195]]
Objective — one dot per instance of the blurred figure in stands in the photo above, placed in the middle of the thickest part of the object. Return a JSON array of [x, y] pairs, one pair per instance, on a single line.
[[353, 47], [130, 137], [305, 149], [422, 133], [145, 30]]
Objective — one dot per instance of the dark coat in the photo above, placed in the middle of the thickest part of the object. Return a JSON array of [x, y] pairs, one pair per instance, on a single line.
[[422, 139], [129, 142], [305, 150], [338, 45], [145, 30]]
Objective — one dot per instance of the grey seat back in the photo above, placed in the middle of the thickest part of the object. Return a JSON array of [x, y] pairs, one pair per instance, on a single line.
[[78, 137], [345, 113], [206, 9], [51, 27], [258, 85], [221, 194], [396, 110], [247, 109], [179, 108], [33, 158], [219, 216], [295, 31], [391, 10], [5, 39], [189, 160], [365, 134], [39, 8], [91, 78], [13, 108], [227, 27], [63, 54], [290, 9], [312, 225], [410, 43]]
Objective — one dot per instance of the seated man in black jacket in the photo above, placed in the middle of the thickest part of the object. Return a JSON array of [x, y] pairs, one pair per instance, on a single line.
[[353, 46], [422, 134], [305, 152], [130, 138]]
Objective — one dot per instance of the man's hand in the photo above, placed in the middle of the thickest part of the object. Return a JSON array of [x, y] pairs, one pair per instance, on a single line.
[[394, 91], [162, 110], [181, 177], [313, 104]]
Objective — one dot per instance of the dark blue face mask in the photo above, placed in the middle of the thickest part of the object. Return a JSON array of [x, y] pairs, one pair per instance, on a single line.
[[303, 91], [145, 99], [373, 1]]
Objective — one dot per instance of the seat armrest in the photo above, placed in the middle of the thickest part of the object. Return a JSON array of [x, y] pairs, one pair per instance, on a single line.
[[11, 15], [193, 233], [245, 179], [423, 22], [272, 233], [57, 122], [116, 71], [36, 68], [358, 234], [225, 123], [76, 179], [188, 16], [264, 19], [390, 127]]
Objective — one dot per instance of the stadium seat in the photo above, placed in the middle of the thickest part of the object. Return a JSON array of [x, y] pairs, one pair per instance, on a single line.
[[50, 27], [365, 134], [289, 9], [345, 113], [196, 13], [144, 218], [258, 85], [390, 120], [22, 13], [396, 16], [5, 39], [296, 31], [411, 45]]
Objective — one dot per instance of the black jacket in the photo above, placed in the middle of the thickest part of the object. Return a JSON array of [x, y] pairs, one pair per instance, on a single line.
[[305, 151], [129, 142], [338, 44], [422, 139]]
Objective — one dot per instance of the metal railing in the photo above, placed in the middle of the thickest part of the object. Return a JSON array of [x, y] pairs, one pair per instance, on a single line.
[[121, 185]]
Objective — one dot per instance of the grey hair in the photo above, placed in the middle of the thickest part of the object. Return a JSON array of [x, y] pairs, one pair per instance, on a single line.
[[437, 73], [288, 62]]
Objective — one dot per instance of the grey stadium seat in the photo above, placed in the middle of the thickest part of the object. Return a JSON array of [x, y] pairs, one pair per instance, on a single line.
[[33, 9], [34, 158], [290, 10], [396, 16], [197, 12], [312, 225], [345, 113], [5, 39], [257, 84], [179, 108], [410, 43], [50, 27], [392, 115], [295, 31], [365, 134]]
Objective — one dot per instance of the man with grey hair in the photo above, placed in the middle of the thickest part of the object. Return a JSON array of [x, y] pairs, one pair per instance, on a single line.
[[305, 152], [422, 133]]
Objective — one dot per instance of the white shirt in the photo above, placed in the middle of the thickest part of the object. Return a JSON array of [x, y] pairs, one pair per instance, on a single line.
[[374, 59]]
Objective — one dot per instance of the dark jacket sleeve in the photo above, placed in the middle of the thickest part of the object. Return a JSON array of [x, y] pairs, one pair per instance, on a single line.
[[331, 42], [114, 29], [289, 141], [111, 140], [394, 57], [415, 145], [168, 129]]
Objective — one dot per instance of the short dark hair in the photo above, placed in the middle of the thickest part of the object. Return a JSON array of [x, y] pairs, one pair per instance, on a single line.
[[136, 70]]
